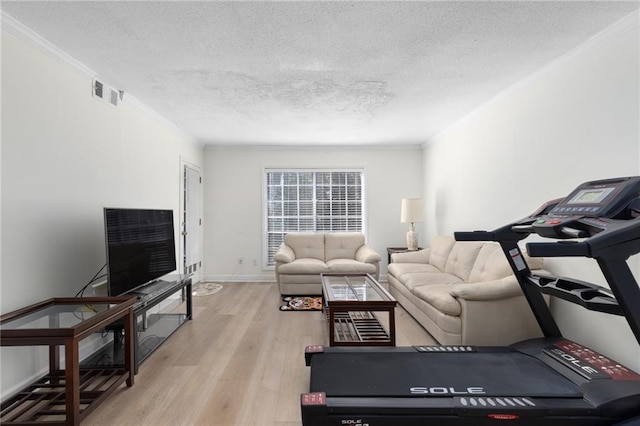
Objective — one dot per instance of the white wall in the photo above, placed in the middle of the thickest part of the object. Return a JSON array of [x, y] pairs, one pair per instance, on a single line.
[[65, 156], [574, 121], [233, 200]]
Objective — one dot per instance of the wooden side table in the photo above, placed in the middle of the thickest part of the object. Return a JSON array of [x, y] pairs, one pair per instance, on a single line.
[[66, 396], [391, 250]]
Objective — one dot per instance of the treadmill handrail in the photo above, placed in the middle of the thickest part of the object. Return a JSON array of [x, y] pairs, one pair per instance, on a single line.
[[591, 296], [563, 248]]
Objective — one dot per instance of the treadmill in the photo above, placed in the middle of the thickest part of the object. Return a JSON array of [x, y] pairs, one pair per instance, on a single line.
[[545, 381]]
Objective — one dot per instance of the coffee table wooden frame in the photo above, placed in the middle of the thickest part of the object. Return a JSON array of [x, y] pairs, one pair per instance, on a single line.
[[354, 322]]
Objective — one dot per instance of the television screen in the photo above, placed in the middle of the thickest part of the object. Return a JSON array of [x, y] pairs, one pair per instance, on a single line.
[[140, 247]]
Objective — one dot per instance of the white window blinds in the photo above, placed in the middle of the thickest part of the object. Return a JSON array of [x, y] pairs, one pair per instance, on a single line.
[[311, 200]]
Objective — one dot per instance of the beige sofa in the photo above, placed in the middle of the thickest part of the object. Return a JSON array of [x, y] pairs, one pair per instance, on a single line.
[[304, 256], [463, 293]]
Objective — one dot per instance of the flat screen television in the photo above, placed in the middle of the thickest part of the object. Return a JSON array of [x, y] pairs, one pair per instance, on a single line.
[[140, 247]]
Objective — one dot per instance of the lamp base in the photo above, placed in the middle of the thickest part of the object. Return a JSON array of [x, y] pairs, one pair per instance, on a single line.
[[412, 240]]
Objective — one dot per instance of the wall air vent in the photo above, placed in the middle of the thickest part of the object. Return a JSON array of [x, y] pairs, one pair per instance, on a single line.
[[106, 93], [113, 100], [98, 88]]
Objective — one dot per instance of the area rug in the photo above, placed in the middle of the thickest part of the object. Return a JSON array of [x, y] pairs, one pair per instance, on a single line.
[[205, 289], [302, 303]]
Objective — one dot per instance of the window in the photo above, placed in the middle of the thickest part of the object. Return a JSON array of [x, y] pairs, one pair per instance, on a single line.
[[309, 201]]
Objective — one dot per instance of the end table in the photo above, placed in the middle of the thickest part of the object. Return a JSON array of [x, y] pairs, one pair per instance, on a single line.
[[66, 396], [391, 250]]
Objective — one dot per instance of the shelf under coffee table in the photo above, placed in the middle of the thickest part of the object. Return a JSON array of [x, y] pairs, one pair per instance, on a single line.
[[352, 305]]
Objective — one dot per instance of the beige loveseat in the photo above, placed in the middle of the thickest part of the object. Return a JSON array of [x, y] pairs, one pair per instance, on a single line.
[[304, 256], [463, 293]]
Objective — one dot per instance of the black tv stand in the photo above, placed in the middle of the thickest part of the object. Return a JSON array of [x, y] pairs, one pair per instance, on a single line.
[[160, 309], [153, 287]]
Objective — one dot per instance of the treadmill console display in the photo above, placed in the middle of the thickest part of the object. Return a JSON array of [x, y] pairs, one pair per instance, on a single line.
[[590, 196], [598, 198], [589, 209]]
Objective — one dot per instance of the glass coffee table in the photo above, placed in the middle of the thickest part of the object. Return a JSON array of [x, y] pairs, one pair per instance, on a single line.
[[353, 305]]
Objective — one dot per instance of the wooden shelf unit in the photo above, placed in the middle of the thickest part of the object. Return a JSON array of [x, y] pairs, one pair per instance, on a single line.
[[359, 326]]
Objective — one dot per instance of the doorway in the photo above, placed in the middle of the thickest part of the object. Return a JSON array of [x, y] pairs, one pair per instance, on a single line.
[[191, 220]]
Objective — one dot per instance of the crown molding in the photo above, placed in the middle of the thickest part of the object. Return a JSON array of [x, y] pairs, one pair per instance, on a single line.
[[35, 40], [616, 30]]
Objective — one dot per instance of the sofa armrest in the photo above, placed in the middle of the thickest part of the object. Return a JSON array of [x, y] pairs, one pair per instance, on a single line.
[[497, 322], [488, 290], [284, 254], [367, 254], [420, 256]]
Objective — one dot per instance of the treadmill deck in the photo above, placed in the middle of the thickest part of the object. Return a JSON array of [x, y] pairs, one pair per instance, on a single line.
[[419, 374]]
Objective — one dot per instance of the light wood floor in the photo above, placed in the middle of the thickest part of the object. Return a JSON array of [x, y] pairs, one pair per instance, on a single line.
[[239, 362]]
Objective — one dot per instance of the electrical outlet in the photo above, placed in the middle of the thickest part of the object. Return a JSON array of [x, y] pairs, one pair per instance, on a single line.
[[100, 288], [240, 261], [255, 262]]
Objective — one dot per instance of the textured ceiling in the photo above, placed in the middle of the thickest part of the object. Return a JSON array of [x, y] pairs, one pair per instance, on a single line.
[[315, 72]]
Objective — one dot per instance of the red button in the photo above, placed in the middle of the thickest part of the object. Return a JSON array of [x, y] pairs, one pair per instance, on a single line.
[[503, 416], [554, 222]]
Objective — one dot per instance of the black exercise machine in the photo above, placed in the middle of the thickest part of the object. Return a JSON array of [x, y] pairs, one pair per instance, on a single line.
[[546, 381]]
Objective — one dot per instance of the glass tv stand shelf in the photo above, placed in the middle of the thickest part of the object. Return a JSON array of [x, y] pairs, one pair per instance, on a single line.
[[65, 396], [160, 309]]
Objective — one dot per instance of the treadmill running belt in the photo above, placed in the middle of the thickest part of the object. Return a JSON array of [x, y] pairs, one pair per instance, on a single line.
[[395, 374]]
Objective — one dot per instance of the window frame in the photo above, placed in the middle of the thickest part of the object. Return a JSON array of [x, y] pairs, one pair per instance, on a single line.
[[265, 209]]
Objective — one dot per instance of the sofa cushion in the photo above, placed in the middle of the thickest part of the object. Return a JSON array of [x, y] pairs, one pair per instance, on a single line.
[[304, 266], [342, 245], [491, 264], [306, 245], [502, 288], [461, 258], [349, 266], [439, 296], [399, 269], [428, 279], [440, 248], [447, 326]]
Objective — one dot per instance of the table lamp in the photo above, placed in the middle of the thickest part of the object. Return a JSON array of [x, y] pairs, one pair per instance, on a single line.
[[412, 211]]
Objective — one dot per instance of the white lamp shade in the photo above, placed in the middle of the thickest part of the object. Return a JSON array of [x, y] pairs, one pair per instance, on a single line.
[[412, 210]]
